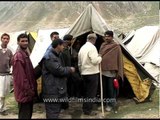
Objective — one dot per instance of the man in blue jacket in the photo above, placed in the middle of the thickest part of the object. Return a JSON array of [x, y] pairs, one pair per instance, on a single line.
[[54, 78]]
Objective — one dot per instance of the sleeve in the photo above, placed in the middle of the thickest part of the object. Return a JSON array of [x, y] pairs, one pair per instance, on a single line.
[[11, 55], [120, 62], [94, 57], [19, 75], [56, 68], [79, 62]]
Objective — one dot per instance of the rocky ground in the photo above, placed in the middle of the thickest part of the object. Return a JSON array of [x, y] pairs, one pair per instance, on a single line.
[[127, 109]]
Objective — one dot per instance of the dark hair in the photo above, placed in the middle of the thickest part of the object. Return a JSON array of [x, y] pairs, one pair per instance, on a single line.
[[110, 33], [23, 35], [68, 37], [5, 34], [57, 42], [54, 33]]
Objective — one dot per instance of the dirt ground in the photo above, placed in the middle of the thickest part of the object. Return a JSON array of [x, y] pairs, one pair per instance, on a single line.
[[127, 109]]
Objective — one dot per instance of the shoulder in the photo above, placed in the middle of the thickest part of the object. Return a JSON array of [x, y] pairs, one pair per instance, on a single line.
[[18, 56], [9, 51], [49, 54]]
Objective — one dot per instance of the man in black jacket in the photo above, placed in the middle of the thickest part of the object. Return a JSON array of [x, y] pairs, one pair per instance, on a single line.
[[70, 56], [54, 77]]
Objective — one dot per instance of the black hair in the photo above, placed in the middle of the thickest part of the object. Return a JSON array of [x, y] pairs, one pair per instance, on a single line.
[[23, 35], [5, 34], [57, 42], [54, 33], [110, 33], [68, 37]]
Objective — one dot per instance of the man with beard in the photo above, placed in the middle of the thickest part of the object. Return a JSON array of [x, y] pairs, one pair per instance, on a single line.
[[24, 82], [112, 68], [70, 58]]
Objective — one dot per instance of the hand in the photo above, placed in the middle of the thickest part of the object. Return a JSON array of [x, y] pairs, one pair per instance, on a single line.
[[100, 55], [118, 77], [72, 69]]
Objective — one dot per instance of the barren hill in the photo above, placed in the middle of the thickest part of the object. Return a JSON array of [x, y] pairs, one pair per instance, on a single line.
[[31, 16]]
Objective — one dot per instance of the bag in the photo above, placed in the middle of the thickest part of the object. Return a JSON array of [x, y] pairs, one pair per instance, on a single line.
[[115, 83]]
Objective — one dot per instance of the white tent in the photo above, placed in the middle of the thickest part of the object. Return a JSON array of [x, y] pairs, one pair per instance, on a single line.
[[42, 43], [89, 20], [128, 37], [145, 46]]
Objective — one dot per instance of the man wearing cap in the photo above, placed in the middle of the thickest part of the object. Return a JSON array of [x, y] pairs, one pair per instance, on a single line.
[[112, 67], [54, 75], [66, 57]]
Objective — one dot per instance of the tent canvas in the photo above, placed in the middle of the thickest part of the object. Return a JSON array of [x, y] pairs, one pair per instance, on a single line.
[[32, 36], [143, 40], [42, 43], [90, 21], [145, 47], [128, 37]]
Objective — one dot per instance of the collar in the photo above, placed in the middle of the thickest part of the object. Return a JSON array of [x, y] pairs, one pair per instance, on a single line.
[[2, 48]]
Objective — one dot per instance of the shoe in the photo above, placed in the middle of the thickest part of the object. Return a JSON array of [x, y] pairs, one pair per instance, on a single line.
[[90, 113], [108, 108]]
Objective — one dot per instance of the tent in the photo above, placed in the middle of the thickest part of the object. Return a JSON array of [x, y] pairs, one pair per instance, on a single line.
[[128, 37], [145, 46], [32, 36], [140, 81], [42, 42]]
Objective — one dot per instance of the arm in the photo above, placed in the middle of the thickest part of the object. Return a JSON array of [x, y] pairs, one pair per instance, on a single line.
[[56, 68], [79, 62], [94, 57], [19, 75]]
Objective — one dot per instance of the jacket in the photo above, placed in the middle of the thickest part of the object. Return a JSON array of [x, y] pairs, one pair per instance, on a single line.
[[24, 82], [54, 76]]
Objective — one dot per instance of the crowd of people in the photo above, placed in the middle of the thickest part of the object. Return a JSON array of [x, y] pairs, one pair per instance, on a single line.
[[67, 70]]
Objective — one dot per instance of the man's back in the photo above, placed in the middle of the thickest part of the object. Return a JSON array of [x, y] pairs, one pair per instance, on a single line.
[[88, 59]]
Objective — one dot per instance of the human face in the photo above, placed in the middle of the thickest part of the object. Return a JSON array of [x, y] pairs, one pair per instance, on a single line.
[[108, 38], [60, 48], [5, 40], [23, 43], [67, 43], [55, 37]]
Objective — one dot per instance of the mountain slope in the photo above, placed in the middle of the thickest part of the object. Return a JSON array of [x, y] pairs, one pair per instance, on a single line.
[[31, 16]]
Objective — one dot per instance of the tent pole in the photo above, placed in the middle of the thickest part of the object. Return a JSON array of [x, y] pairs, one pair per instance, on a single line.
[[101, 90]]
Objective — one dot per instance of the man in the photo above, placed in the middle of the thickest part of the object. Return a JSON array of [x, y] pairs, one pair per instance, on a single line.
[[5, 65], [54, 78], [88, 62], [24, 82], [54, 35], [112, 67], [67, 49], [38, 69], [66, 58]]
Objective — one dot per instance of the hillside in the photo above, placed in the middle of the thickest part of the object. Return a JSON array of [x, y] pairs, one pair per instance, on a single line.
[[31, 16]]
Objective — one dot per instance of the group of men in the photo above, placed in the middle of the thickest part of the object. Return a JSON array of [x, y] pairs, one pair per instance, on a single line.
[[61, 66]]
